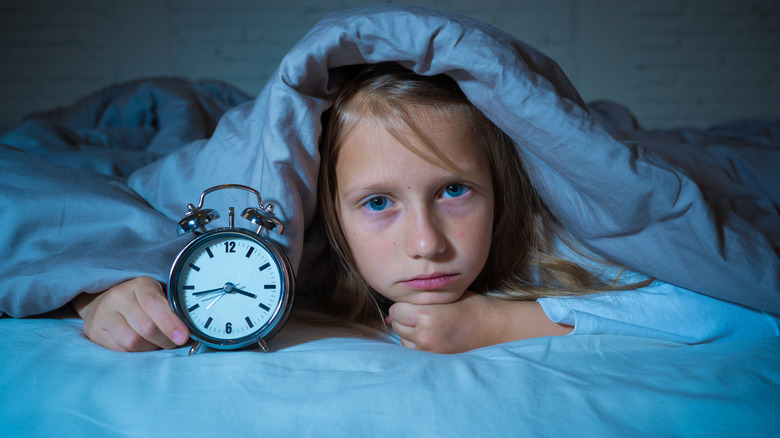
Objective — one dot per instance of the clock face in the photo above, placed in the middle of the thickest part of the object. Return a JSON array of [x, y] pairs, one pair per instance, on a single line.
[[229, 288]]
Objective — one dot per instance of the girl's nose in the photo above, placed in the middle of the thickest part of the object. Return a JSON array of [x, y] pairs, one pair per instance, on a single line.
[[424, 236]]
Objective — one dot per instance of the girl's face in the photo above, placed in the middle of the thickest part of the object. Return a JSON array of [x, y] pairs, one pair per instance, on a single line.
[[418, 232]]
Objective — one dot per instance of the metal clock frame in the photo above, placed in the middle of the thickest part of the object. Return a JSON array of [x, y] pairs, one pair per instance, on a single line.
[[195, 220]]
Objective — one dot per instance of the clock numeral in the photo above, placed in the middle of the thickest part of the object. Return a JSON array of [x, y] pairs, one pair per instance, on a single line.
[[265, 266], [249, 253], [208, 322], [269, 286], [230, 246], [191, 309], [228, 328], [211, 254], [264, 307], [249, 322], [194, 267]]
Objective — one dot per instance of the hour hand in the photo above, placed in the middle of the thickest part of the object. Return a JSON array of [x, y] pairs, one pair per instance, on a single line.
[[243, 292]]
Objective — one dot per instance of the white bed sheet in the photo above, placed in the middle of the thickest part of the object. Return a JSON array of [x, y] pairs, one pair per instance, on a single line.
[[325, 381]]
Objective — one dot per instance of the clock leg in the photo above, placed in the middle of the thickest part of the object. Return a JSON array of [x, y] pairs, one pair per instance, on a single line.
[[263, 346], [195, 348]]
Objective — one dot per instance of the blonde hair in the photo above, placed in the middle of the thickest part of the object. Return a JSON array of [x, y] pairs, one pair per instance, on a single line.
[[523, 262]]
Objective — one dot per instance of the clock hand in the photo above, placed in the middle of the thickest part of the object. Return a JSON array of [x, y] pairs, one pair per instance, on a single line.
[[210, 291], [215, 300], [226, 288], [243, 292]]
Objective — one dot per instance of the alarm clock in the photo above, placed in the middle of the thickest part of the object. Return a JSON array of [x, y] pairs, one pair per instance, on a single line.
[[232, 287]]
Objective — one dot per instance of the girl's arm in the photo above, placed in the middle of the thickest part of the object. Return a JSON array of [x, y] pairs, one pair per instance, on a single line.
[[662, 311], [472, 322], [131, 316]]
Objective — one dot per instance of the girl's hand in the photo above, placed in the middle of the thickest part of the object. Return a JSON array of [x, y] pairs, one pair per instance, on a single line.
[[473, 321], [131, 316]]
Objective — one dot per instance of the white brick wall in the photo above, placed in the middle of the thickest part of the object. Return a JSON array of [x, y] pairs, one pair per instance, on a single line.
[[700, 61], [673, 62]]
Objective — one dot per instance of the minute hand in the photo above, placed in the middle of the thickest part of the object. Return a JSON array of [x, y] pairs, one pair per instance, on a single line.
[[203, 292]]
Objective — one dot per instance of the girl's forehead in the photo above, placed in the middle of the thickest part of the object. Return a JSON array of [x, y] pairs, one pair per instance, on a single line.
[[440, 142], [426, 130]]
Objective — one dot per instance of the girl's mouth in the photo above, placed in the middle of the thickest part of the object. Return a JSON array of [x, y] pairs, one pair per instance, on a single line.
[[430, 282]]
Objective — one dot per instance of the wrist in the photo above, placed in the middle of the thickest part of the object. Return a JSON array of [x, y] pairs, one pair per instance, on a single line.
[[525, 320]]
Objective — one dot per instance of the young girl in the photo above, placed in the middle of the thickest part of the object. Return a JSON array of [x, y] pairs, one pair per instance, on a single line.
[[426, 205], [427, 209]]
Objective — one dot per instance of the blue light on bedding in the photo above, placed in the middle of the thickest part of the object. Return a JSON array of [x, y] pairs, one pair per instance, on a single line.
[[356, 382], [90, 195]]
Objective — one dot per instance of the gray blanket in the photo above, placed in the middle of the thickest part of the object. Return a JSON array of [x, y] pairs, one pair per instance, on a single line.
[[89, 195]]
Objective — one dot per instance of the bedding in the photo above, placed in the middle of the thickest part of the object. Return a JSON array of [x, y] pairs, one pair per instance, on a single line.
[[90, 196], [351, 381]]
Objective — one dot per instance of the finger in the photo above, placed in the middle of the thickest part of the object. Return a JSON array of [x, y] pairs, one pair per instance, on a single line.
[[405, 333], [128, 338], [404, 313], [98, 323], [103, 337], [155, 305], [111, 344], [408, 344], [118, 335], [141, 324], [145, 328]]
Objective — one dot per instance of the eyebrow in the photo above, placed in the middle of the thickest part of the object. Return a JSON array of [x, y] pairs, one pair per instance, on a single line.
[[381, 187], [361, 191]]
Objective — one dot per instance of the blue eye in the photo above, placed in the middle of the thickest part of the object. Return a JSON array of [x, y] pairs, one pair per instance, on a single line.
[[454, 190], [377, 203]]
